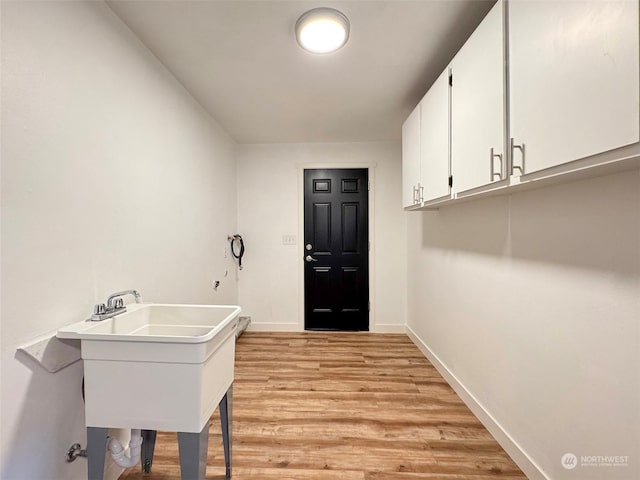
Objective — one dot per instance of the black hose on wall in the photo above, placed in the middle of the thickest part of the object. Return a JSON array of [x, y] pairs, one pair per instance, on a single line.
[[237, 239]]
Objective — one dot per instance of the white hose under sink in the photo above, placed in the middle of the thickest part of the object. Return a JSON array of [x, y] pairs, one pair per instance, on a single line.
[[118, 453]]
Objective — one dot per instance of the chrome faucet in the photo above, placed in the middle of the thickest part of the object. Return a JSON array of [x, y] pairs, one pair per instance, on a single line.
[[115, 305]]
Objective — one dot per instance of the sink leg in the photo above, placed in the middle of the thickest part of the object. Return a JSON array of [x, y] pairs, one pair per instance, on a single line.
[[193, 454], [96, 451], [148, 446], [226, 415]]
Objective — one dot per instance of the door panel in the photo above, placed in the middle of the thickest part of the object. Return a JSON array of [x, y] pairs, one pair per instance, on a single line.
[[322, 227], [573, 79], [411, 158], [349, 228], [351, 291], [477, 106], [336, 267], [434, 140]]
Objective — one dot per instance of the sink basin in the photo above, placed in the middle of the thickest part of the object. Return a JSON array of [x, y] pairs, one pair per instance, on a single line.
[[157, 366], [156, 323]]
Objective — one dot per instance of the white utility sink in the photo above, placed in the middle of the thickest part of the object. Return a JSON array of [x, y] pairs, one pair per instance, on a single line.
[[157, 366]]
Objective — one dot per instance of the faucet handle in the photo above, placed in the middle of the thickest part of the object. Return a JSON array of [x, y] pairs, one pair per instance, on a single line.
[[119, 303], [99, 309]]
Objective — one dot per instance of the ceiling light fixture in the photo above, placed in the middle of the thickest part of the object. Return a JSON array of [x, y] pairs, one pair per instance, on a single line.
[[322, 30]]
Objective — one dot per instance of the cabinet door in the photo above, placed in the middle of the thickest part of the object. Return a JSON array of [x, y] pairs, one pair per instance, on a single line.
[[434, 140], [573, 79], [477, 106], [410, 158]]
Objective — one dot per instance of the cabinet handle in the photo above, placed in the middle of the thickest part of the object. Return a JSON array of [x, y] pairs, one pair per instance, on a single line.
[[421, 195], [521, 148], [417, 195], [492, 157]]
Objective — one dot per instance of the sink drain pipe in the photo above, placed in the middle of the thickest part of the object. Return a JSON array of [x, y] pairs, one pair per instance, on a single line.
[[118, 453], [243, 323]]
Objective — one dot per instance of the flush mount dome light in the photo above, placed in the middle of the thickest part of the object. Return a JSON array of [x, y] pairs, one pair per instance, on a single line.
[[322, 30]]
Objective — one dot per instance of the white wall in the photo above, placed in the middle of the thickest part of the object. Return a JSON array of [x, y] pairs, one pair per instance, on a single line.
[[112, 178], [268, 208], [533, 302]]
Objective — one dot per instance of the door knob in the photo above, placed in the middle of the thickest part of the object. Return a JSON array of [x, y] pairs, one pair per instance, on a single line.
[[310, 259]]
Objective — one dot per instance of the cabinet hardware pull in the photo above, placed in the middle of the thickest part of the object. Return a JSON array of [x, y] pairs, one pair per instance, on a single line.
[[415, 192], [492, 157], [421, 195], [521, 148]]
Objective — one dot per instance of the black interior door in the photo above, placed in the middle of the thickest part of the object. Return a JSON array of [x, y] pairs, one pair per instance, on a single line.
[[336, 249]]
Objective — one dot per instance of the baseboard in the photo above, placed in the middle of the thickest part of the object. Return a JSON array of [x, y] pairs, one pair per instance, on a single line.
[[519, 456], [294, 327], [389, 328], [273, 327]]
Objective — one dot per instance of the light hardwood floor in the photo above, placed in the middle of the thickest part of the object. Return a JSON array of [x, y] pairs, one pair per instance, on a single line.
[[347, 406]]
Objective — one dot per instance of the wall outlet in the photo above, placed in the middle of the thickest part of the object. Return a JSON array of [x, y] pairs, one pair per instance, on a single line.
[[289, 239]]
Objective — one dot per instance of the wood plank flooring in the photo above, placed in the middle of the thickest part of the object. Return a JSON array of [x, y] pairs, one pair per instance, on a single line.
[[342, 406]]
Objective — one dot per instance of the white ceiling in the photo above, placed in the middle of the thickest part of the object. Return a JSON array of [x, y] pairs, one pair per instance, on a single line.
[[240, 61]]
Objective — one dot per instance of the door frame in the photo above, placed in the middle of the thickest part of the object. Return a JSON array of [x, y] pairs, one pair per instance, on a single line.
[[371, 168]]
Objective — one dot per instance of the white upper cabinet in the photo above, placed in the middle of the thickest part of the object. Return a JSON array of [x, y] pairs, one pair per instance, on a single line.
[[573, 68], [434, 140], [477, 106], [411, 159], [540, 86]]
